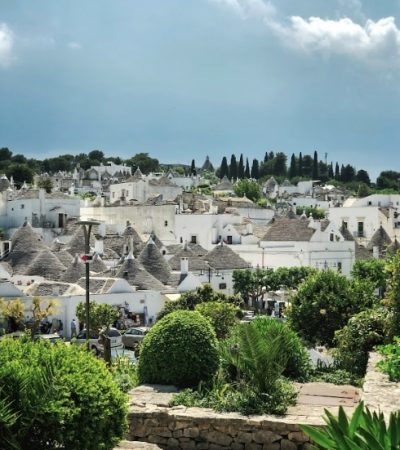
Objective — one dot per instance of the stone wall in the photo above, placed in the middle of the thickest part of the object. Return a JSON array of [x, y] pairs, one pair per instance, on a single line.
[[203, 429]]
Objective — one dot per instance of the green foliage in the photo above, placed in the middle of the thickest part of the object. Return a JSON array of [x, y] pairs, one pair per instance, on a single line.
[[46, 184], [180, 349], [20, 172], [124, 373], [250, 189], [59, 397], [238, 397], [101, 315], [324, 303], [362, 332], [391, 362], [316, 213], [372, 270], [334, 376], [388, 179], [190, 299], [144, 162], [364, 431], [393, 292], [221, 315]]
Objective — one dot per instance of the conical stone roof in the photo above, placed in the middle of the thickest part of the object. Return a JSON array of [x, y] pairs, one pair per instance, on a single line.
[[379, 239], [154, 262], [75, 271], [222, 257], [26, 245], [65, 257], [394, 247], [97, 265], [46, 265], [137, 275], [77, 243], [195, 259]]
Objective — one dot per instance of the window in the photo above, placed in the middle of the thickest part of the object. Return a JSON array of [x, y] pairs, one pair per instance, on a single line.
[[22, 206], [360, 229], [222, 285], [181, 240], [164, 252], [229, 239], [331, 237], [193, 239], [165, 223], [339, 267], [344, 225]]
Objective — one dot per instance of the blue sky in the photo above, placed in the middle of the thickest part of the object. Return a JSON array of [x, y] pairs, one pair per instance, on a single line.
[[183, 79]]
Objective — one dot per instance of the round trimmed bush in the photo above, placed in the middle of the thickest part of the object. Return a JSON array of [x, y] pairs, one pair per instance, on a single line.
[[59, 396], [180, 349]]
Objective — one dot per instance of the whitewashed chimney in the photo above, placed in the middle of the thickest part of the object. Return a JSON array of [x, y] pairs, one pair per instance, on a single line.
[[184, 266]]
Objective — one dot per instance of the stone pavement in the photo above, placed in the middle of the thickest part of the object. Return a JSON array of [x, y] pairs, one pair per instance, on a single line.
[[135, 445]]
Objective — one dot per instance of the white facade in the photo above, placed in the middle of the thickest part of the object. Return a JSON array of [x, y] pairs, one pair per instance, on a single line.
[[305, 202], [378, 200]]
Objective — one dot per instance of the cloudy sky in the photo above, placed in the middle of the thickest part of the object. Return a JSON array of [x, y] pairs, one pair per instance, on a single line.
[[187, 78]]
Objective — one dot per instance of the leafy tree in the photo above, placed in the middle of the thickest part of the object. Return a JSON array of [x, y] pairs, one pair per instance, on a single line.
[[224, 169], [280, 164], [241, 168], [317, 213], [14, 312], [266, 157], [20, 172], [251, 189], [363, 190], [347, 173], [307, 166], [337, 171], [388, 179], [315, 171], [372, 270], [362, 333], [233, 168], [188, 300], [145, 162], [330, 171], [180, 349], [40, 310], [19, 159], [60, 397], [222, 316], [5, 154], [324, 303], [293, 167], [252, 284], [96, 155], [363, 177], [255, 173], [300, 171], [46, 184], [101, 315]]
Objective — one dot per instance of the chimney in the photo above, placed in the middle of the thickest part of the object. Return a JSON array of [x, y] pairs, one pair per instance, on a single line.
[[184, 266], [375, 252]]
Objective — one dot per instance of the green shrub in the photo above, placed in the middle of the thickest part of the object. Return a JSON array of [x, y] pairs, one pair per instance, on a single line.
[[364, 431], [180, 349], [221, 315], [62, 397], [124, 373], [298, 363], [362, 332], [334, 376], [325, 302], [391, 362]]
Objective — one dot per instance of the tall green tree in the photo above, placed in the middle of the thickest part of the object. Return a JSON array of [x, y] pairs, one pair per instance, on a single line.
[[348, 173], [363, 177], [20, 172], [280, 164], [293, 167], [266, 157], [233, 168], [241, 168], [255, 173], [330, 171], [315, 168], [224, 169], [300, 170], [193, 168], [247, 169], [144, 162], [337, 171], [249, 188]]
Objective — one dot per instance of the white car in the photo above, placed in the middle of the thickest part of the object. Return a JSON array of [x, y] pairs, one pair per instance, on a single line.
[[94, 342]]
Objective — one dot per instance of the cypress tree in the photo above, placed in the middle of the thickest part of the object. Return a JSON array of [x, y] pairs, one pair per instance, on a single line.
[[193, 168], [292, 168], [330, 171], [300, 170], [247, 170], [241, 168], [266, 157], [337, 171], [233, 169], [224, 169], [315, 171], [255, 173], [271, 155]]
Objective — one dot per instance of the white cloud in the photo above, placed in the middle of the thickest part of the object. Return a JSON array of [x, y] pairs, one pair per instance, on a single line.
[[6, 45], [74, 45], [375, 42]]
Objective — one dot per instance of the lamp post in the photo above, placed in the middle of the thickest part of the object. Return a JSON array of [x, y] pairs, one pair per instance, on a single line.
[[87, 229]]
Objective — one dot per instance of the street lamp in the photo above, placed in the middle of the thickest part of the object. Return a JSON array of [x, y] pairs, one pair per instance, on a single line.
[[87, 229]]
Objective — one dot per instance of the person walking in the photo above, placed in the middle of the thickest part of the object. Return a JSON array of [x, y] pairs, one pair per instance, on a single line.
[[73, 328]]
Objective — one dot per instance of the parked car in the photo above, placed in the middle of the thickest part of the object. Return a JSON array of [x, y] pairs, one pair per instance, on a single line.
[[134, 336], [53, 338], [94, 341]]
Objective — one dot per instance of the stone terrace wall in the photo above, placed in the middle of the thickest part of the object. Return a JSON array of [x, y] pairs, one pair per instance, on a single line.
[[203, 429]]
